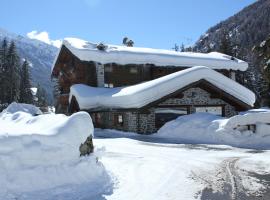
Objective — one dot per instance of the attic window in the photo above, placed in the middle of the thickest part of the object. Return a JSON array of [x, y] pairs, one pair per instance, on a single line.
[[215, 110], [133, 70], [108, 69]]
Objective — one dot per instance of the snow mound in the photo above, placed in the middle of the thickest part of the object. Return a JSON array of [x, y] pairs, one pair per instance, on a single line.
[[39, 158], [27, 108], [247, 119], [203, 128], [139, 95]]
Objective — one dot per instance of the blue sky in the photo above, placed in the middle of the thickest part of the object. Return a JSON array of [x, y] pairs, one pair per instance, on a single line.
[[150, 23]]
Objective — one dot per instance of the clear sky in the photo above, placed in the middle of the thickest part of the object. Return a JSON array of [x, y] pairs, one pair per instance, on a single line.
[[149, 23]]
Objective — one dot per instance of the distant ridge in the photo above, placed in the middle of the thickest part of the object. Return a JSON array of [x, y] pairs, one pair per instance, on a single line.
[[39, 54]]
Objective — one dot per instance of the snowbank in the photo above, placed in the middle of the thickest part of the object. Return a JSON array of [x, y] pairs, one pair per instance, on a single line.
[[209, 129], [247, 119], [39, 157], [27, 108], [87, 51], [142, 94]]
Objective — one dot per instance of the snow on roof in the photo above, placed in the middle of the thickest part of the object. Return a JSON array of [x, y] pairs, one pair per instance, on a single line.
[[139, 95], [88, 51]]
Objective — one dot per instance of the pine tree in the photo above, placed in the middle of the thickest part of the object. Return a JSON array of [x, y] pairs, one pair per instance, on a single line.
[[13, 70], [176, 47], [3, 71], [225, 44], [262, 53], [41, 96], [208, 48], [25, 85], [182, 47]]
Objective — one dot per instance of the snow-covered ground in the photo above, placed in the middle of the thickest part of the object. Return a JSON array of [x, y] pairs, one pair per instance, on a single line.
[[39, 159], [152, 168]]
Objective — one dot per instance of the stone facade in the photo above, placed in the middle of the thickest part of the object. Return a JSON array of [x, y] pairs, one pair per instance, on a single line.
[[144, 122], [147, 122], [198, 96], [109, 120]]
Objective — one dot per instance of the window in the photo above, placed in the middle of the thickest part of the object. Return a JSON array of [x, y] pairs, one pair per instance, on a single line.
[[178, 111], [110, 85], [97, 119], [120, 119], [108, 69], [133, 70], [215, 110]]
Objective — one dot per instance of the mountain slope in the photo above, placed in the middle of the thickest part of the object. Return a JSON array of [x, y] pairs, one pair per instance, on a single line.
[[246, 29], [39, 54]]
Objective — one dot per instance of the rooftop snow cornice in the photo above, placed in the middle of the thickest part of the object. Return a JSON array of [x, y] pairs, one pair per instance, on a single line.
[[137, 96], [123, 55]]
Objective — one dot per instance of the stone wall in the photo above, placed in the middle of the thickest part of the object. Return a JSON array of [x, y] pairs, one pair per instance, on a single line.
[[144, 122], [198, 96], [147, 122], [108, 120]]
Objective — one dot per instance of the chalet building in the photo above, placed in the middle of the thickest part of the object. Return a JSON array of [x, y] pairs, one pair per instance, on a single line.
[[140, 89]]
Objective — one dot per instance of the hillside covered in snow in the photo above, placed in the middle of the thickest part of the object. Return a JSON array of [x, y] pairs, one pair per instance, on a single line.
[[40, 56], [241, 32]]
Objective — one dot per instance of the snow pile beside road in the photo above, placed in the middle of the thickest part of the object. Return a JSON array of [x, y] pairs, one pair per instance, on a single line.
[[209, 129], [247, 119], [16, 107], [39, 158]]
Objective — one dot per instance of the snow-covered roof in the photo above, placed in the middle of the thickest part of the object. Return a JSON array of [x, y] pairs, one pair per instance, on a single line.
[[88, 51], [139, 95]]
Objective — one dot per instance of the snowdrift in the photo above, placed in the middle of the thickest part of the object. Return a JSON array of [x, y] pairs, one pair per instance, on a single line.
[[27, 108], [39, 157], [203, 128]]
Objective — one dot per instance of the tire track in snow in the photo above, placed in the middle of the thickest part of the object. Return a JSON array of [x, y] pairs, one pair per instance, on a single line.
[[224, 184]]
